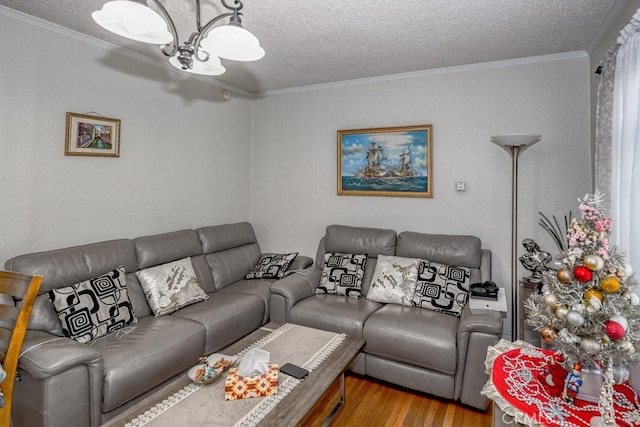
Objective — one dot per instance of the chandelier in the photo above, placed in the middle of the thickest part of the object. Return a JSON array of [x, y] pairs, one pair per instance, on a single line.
[[202, 51]]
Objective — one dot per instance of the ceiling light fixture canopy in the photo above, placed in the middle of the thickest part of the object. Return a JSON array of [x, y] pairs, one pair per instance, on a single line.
[[202, 51]]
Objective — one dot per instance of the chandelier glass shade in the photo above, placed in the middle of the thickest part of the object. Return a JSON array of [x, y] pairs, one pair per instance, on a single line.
[[201, 52]]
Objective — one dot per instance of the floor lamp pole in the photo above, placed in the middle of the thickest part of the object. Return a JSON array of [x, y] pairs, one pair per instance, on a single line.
[[515, 144], [515, 151]]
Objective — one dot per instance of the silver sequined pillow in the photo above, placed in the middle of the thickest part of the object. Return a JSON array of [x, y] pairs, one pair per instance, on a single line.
[[169, 287], [394, 280]]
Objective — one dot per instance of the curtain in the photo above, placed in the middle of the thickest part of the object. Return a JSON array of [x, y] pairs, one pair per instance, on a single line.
[[625, 165], [604, 114]]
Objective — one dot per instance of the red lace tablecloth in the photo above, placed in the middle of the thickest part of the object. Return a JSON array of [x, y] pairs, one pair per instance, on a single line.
[[517, 385]]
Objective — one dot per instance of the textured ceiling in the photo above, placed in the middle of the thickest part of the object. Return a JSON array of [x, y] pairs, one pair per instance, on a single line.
[[311, 42]]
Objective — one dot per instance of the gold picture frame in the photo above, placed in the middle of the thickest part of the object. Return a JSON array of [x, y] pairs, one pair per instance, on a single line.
[[393, 161], [89, 135]]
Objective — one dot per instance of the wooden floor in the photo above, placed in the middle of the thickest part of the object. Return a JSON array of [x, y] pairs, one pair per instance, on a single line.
[[373, 403]]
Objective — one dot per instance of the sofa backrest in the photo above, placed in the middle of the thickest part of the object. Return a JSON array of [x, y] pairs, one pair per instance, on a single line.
[[357, 240], [65, 267], [455, 250], [230, 250], [163, 248]]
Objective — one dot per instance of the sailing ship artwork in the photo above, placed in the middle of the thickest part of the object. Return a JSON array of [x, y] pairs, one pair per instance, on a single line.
[[385, 161]]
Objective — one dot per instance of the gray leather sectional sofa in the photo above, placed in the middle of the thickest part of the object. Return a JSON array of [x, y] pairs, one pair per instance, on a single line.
[[413, 347], [65, 383]]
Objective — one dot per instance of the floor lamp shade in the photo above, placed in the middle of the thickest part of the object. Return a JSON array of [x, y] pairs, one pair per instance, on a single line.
[[514, 144]]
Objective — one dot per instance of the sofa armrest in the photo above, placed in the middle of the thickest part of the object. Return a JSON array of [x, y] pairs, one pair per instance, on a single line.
[[489, 321], [300, 263], [286, 292], [477, 330], [45, 356]]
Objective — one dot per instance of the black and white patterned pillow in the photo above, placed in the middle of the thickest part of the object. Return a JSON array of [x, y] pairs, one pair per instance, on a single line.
[[272, 266], [95, 307], [342, 274], [442, 288]]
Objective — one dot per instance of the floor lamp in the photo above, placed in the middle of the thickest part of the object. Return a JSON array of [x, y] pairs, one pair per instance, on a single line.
[[514, 144]]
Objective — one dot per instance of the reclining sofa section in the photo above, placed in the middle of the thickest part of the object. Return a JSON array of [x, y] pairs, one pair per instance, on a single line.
[[414, 347], [64, 383]]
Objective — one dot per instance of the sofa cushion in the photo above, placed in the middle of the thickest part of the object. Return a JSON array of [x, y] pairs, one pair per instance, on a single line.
[[334, 313], [442, 288], [94, 308], [272, 266], [158, 349], [342, 274], [394, 280], [169, 287], [411, 335], [259, 288], [226, 317]]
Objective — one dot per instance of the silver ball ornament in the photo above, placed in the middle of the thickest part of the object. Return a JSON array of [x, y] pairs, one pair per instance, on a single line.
[[590, 346], [632, 297], [562, 311], [551, 300], [595, 303], [593, 262], [574, 318]]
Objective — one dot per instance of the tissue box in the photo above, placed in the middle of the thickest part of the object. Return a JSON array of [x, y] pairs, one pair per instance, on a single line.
[[237, 387]]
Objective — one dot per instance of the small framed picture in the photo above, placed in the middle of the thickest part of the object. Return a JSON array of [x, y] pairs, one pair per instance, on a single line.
[[92, 136], [393, 161]]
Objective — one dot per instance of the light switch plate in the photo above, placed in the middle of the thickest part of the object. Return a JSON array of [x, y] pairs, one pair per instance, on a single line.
[[461, 186]]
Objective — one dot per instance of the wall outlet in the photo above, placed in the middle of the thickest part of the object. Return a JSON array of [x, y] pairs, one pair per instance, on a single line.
[[461, 186]]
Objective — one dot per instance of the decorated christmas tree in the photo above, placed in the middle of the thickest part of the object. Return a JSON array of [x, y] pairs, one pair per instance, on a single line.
[[588, 309]]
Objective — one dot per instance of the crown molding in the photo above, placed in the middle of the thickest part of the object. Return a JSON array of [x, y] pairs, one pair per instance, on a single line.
[[436, 71], [605, 25], [66, 32]]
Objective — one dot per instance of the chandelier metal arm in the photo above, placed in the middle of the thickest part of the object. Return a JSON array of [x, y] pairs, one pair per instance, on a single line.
[[174, 48], [236, 9], [170, 50], [149, 22]]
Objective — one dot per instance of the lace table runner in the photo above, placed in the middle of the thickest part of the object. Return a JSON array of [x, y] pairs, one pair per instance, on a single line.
[[204, 405]]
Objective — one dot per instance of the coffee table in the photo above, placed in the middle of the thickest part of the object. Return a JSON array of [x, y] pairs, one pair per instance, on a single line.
[[293, 408]]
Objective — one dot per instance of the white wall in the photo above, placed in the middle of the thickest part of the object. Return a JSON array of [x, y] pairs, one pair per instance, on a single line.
[[184, 156], [187, 160], [294, 155]]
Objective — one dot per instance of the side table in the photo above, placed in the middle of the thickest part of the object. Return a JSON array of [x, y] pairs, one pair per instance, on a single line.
[[486, 304], [519, 391]]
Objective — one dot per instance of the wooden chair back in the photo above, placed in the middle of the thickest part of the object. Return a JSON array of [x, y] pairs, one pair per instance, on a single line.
[[13, 327]]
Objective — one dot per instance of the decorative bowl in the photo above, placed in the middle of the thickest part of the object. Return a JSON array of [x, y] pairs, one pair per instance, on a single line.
[[211, 368]]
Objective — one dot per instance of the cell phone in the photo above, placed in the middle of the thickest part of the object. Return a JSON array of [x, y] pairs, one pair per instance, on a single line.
[[294, 370]]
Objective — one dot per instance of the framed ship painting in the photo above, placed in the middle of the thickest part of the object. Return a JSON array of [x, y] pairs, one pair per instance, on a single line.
[[92, 136], [394, 161]]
